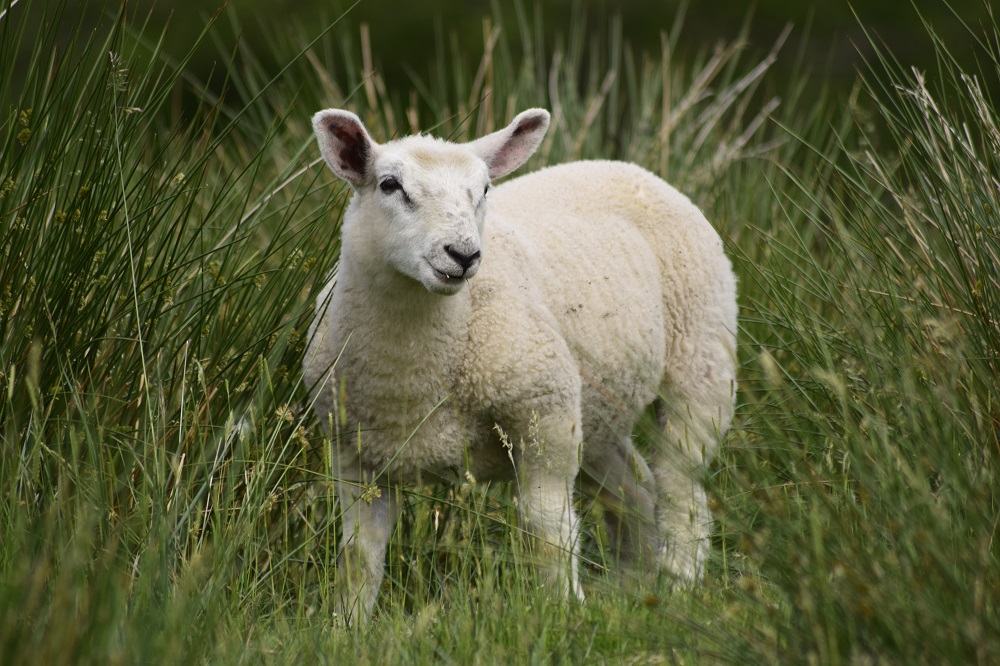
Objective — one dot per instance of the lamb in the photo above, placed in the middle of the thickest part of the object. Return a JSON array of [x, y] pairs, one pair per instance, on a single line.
[[553, 308]]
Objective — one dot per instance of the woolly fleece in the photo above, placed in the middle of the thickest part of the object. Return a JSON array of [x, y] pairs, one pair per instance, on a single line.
[[557, 306]]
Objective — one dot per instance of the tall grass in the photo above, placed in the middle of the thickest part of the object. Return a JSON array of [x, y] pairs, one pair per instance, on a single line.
[[864, 476], [166, 493], [156, 274]]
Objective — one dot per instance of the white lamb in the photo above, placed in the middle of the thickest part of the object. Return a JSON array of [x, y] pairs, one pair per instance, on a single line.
[[556, 306]]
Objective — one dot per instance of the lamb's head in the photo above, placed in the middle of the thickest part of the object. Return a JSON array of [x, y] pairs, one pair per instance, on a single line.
[[420, 203]]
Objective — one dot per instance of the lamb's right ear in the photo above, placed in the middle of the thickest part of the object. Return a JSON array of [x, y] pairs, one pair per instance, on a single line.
[[511, 147], [345, 144]]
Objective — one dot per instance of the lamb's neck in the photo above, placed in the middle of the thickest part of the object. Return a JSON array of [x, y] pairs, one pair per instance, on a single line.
[[400, 310], [403, 353]]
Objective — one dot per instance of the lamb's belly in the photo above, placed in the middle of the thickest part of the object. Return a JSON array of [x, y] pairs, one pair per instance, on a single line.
[[441, 445], [624, 373]]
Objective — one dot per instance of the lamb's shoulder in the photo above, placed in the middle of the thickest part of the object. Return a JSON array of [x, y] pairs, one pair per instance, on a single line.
[[516, 360]]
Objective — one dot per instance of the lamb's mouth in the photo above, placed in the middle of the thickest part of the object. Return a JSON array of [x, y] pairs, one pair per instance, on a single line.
[[452, 279], [447, 278]]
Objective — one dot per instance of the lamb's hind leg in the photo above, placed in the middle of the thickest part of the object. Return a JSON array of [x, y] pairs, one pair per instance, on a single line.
[[620, 479], [694, 411]]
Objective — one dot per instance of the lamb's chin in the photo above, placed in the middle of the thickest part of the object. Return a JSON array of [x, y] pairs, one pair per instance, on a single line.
[[440, 283], [444, 286]]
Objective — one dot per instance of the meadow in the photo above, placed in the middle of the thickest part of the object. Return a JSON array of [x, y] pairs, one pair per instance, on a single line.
[[166, 493]]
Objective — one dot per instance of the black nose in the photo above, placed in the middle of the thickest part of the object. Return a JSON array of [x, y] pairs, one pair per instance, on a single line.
[[464, 260]]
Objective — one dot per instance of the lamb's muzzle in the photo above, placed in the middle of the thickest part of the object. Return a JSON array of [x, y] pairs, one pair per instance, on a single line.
[[464, 258]]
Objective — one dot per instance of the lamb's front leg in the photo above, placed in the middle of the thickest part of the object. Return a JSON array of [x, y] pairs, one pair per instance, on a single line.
[[550, 461], [369, 515]]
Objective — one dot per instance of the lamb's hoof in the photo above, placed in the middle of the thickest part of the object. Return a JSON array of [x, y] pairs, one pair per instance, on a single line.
[[686, 561]]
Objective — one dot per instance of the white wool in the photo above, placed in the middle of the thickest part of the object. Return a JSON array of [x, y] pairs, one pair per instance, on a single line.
[[591, 290]]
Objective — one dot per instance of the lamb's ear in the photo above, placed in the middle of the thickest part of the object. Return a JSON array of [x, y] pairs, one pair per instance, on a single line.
[[345, 144], [511, 147]]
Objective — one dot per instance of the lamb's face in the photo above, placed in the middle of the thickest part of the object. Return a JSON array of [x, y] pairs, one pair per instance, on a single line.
[[419, 202], [424, 211]]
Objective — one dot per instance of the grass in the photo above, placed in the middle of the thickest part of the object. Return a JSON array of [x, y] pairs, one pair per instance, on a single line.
[[166, 492]]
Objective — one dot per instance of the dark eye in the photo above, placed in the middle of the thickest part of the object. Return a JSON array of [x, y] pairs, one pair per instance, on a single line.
[[486, 189], [389, 185]]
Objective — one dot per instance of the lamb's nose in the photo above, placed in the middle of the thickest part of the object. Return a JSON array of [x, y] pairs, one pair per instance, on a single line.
[[464, 260]]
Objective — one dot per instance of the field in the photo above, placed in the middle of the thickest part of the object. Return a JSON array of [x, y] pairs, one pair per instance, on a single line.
[[166, 493]]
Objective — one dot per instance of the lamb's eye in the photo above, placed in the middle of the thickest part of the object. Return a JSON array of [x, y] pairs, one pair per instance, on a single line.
[[486, 189], [389, 185]]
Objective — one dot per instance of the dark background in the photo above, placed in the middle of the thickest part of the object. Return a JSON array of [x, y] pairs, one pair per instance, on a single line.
[[828, 36]]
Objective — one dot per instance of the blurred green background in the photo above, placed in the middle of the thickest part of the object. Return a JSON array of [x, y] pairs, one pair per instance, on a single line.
[[828, 37]]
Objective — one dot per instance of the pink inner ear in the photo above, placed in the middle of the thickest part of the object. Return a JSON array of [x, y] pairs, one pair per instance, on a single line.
[[514, 151], [344, 143], [353, 146], [527, 125]]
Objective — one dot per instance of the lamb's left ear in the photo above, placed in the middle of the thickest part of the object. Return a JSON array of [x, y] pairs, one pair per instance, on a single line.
[[511, 147], [345, 144]]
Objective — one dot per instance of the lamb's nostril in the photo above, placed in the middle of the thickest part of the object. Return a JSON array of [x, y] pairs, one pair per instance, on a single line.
[[464, 260]]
